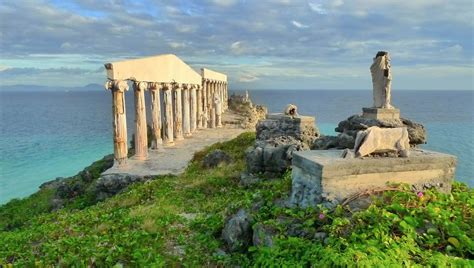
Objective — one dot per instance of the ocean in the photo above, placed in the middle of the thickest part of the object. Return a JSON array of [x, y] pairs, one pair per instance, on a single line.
[[44, 135]]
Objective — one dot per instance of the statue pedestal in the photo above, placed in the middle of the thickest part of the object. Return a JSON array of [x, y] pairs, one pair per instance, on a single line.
[[381, 113]]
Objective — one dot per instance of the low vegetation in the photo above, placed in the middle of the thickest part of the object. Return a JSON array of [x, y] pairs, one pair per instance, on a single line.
[[178, 220]]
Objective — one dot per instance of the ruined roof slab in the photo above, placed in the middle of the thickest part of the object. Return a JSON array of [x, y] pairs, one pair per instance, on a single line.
[[165, 68], [213, 75]]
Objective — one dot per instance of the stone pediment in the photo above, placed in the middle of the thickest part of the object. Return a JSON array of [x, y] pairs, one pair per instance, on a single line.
[[213, 75], [165, 68]]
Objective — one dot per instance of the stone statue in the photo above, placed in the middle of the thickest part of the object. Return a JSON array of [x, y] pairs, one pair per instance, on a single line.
[[381, 80]]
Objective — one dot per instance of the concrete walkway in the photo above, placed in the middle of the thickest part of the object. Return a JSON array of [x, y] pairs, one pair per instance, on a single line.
[[174, 159]]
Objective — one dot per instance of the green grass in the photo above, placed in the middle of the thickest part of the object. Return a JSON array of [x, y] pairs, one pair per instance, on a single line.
[[177, 220]]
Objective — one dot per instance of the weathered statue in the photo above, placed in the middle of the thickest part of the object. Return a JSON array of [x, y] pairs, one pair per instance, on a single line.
[[381, 80]]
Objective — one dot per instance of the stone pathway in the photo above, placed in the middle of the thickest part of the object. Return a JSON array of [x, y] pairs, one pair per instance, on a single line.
[[174, 159]]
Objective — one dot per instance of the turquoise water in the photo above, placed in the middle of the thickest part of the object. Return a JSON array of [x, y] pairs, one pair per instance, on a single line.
[[45, 135]]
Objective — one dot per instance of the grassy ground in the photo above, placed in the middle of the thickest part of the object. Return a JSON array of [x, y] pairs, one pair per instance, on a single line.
[[177, 221]]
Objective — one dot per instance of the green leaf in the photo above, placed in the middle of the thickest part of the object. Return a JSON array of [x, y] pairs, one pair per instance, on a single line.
[[453, 241]]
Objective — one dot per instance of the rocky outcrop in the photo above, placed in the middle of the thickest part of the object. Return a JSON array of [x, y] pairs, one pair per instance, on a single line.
[[67, 189], [349, 128], [112, 184], [277, 137], [273, 156], [215, 158], [237, 232], [250, 113]]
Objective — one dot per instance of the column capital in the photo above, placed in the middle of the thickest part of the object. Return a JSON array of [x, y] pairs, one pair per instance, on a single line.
[[154, 86], [141, 86], [167, 86], [118, 85]]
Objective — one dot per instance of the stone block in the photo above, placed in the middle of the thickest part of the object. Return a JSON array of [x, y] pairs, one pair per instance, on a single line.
[[277, 124], [323, 176], [381, 113]]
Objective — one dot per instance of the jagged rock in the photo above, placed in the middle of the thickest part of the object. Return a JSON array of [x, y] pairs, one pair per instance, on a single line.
[[215, 158], [53, 184], [111, 184], [263, 235], [277, 137], [355, 123], [251, 113], [320, 236], [70, 188], [237, 232], [273, 156], [247, 179]]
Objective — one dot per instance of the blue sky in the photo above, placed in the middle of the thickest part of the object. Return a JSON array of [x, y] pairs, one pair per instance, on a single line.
[[269, 44]]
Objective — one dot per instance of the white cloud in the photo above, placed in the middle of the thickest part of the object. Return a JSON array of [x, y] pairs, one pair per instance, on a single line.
[[237, 48], [316, 7], [224, 3], [247, 78], [299, 24], [177, 45]]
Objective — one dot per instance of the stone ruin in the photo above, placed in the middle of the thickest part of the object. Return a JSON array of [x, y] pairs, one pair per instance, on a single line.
[[277, 137], [372, 149], [373, 143]]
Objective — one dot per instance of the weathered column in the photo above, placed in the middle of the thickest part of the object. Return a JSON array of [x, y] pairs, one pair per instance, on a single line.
[[186, 111], [118, 89], [168, 132], [218, 111], [178, 112], [141, 140], [193, 109], [226, 100], [221, 94], [155, 116], [212, 123], [199, 106], [205, 112]]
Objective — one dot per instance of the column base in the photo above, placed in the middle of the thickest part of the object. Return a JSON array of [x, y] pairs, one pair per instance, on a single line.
[[180, 138], [141, 158], [381, 113], [168, 143]]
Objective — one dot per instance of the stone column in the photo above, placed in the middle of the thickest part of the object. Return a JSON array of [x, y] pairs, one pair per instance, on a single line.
[[118, 89], [186, 111], [155, 116], [226, 97], [168, 132], [141, 140], [178, 112], [212, 121], [199, 107], [221, 94], [218, 111], [205, 111], [193, 109]]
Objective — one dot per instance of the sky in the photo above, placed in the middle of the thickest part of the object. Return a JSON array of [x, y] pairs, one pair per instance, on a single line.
[[261, 44]]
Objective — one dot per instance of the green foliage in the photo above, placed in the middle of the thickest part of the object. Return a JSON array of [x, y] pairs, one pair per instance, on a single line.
[[399, 228], [177, 221]]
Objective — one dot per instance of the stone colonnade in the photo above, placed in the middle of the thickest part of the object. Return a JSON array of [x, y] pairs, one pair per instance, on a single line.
[[215, 102], [177, 111]]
